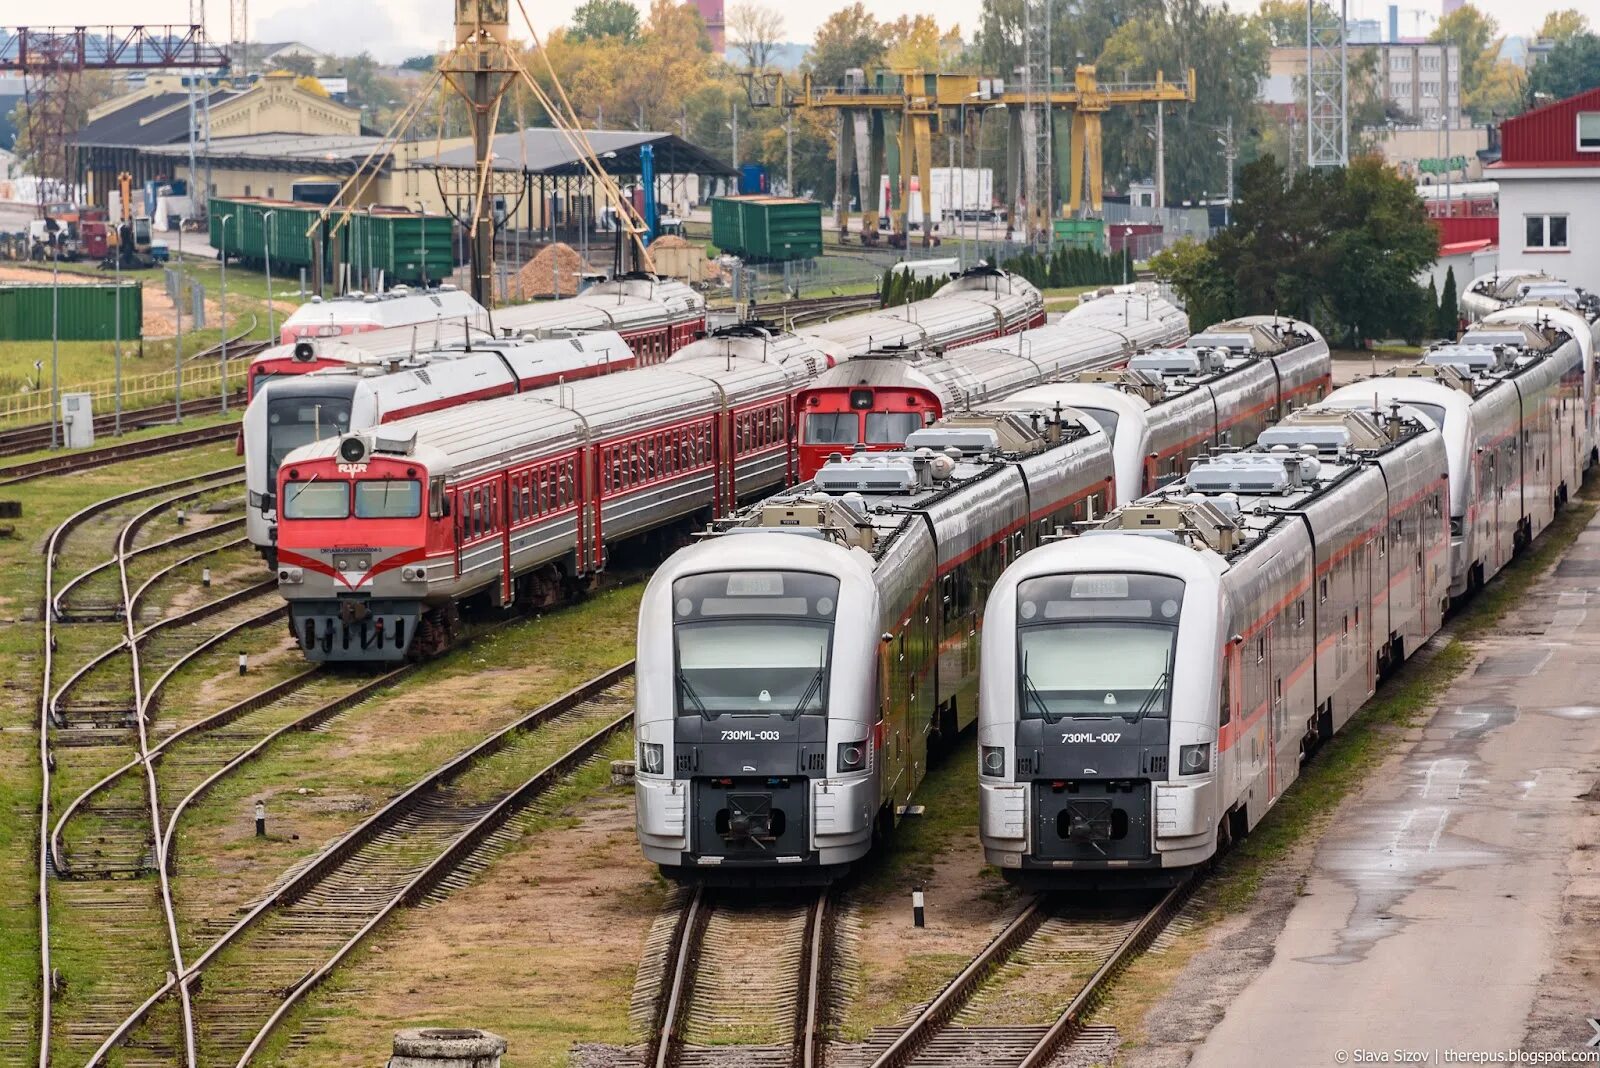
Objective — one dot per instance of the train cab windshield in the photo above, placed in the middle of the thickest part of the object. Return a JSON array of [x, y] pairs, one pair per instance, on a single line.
[[753, 643], [293, 421], [1096, 645], [316, 499]]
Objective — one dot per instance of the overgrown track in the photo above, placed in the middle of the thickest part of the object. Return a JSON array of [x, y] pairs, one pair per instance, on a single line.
[[1049, 948], [423, 843], [123, 910], [68, 462], [736, 967]]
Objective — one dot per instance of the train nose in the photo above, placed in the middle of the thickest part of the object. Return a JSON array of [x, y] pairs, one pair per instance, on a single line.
[[749, 818]]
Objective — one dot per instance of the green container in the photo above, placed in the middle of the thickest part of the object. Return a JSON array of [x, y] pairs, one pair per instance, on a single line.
[[1082, 233], [257, 227], [767, 229], [407, 247], [85, 313]]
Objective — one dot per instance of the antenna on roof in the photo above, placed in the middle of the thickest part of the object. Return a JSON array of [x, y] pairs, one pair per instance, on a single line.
[[414, 329], [466, 330]]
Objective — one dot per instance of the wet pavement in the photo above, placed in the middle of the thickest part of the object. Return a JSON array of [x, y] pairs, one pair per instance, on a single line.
[[1441, 896]]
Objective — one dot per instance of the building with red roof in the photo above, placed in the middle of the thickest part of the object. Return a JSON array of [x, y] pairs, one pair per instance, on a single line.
[[1549, 175]]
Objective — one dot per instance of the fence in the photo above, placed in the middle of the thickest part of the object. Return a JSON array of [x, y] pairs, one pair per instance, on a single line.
[[138, 391]]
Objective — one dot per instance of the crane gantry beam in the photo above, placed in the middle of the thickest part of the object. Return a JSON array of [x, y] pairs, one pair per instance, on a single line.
[[44, 49], [912, 102]]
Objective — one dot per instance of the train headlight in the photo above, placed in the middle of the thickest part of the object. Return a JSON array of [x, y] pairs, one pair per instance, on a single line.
[[291, 576], [992, 760], [414, 574], [1194, 759], [652, 757], [852, 756], [1458, 526]]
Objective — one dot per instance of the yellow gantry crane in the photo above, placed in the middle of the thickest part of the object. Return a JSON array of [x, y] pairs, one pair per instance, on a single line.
[[887, 120]]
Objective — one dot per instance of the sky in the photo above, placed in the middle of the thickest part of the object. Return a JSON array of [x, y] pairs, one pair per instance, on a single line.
[[394, 29]]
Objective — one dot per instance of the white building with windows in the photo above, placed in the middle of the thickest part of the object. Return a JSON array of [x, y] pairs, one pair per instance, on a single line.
[[1549, 175]]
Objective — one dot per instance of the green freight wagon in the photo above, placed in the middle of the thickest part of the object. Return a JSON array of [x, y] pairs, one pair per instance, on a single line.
[[767, 229], [1082, 233], [405, 246], [84, 313]]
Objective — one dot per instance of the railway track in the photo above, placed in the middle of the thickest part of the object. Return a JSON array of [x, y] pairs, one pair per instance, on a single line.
[[108, 713], [813, 309], [67, 463], [419, 846], [1049, 949], [737, 968]]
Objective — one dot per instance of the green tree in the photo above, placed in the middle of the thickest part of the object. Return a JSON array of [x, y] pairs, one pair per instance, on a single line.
[[1340, 248], [1077, 35], [1285, 20], [1475, 34], [1572, 67], [1449, 307], [1429, 318], [596, 19], [1563, 25], [1228, 50], [422, 63], [848, 38]]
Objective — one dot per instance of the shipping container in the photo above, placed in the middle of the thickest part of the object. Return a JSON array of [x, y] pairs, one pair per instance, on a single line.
[[85, 313], [1082, 233], [965, 192], [752, 179], [764, 229], [391, 240]]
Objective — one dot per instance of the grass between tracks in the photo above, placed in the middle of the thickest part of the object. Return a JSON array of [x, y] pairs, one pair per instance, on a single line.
[[45, 503], [1340, 769], [318, 785]]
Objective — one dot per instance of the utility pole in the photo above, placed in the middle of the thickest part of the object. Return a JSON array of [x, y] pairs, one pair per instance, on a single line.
[[1230, 153], [788, 151], [1161, 154]]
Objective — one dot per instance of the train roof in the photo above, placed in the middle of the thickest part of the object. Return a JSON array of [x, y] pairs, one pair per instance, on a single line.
[[400, 306], [1230, 502], [461, 439], [759, 340], [866, 500]]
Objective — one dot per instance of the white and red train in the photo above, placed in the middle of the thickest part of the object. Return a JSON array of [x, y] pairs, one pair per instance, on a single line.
[[655, 316], [627, 456], [361, 313], [1149, 690]]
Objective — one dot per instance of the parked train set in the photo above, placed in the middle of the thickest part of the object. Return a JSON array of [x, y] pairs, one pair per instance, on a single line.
[[981, 305], [1151, 678]]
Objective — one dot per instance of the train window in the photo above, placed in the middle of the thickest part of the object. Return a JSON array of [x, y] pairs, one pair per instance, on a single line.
[[892, 428], [1277, 690], [318, 499], [1019, 542], [1225, 699], [832, 428], [1419, 563], [1261, 649], [436, 497], [390, 498], [1322, 592], [1383, 545], [1347, 623], [1300, 613]]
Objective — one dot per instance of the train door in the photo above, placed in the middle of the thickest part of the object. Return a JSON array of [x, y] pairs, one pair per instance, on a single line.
[[1275, 709], [500, 508]]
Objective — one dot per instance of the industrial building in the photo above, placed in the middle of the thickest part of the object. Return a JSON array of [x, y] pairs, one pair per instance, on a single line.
[[1549, 175]]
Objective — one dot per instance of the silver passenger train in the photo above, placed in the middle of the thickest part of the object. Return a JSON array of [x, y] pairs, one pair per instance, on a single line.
[[1150, 687], [797, 666], [1510, 402], [1157, 680]]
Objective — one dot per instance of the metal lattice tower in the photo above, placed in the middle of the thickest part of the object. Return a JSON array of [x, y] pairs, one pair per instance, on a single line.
[[1327, 86], [1034, 200], [239, 33]]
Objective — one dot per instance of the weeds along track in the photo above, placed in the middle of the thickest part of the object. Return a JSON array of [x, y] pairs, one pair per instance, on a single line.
[[68, 462], [102, 673], [741, 981], [989, 1014], [425, 842]]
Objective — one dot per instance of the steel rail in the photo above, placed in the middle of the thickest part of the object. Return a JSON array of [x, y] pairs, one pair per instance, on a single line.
[[326, 863], [145, 702], [46, 759], [959, 991], [685, 951], [186, 1003], [130, 450], [1138, 940], [809, 1039], [452, 858]]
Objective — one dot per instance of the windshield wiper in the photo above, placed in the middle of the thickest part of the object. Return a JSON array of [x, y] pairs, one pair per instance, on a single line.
[[816, 684], [1150, 699], [1032, 693], [688, 691]]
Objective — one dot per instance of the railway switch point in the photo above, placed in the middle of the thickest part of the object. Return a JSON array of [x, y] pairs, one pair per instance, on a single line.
[[446, 1047], [261, 819]]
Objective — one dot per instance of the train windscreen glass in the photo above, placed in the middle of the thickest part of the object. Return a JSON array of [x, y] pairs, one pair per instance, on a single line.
[[832, 428], [892, 428], [1105, 417], [296, 421], [316, 500], [1096, 645], [753, 642], [388, 498]]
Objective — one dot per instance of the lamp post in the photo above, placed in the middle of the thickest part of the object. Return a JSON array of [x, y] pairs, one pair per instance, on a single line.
[[222, 262], [117, 351], [55, 338], [422, 211], [266, 248]]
